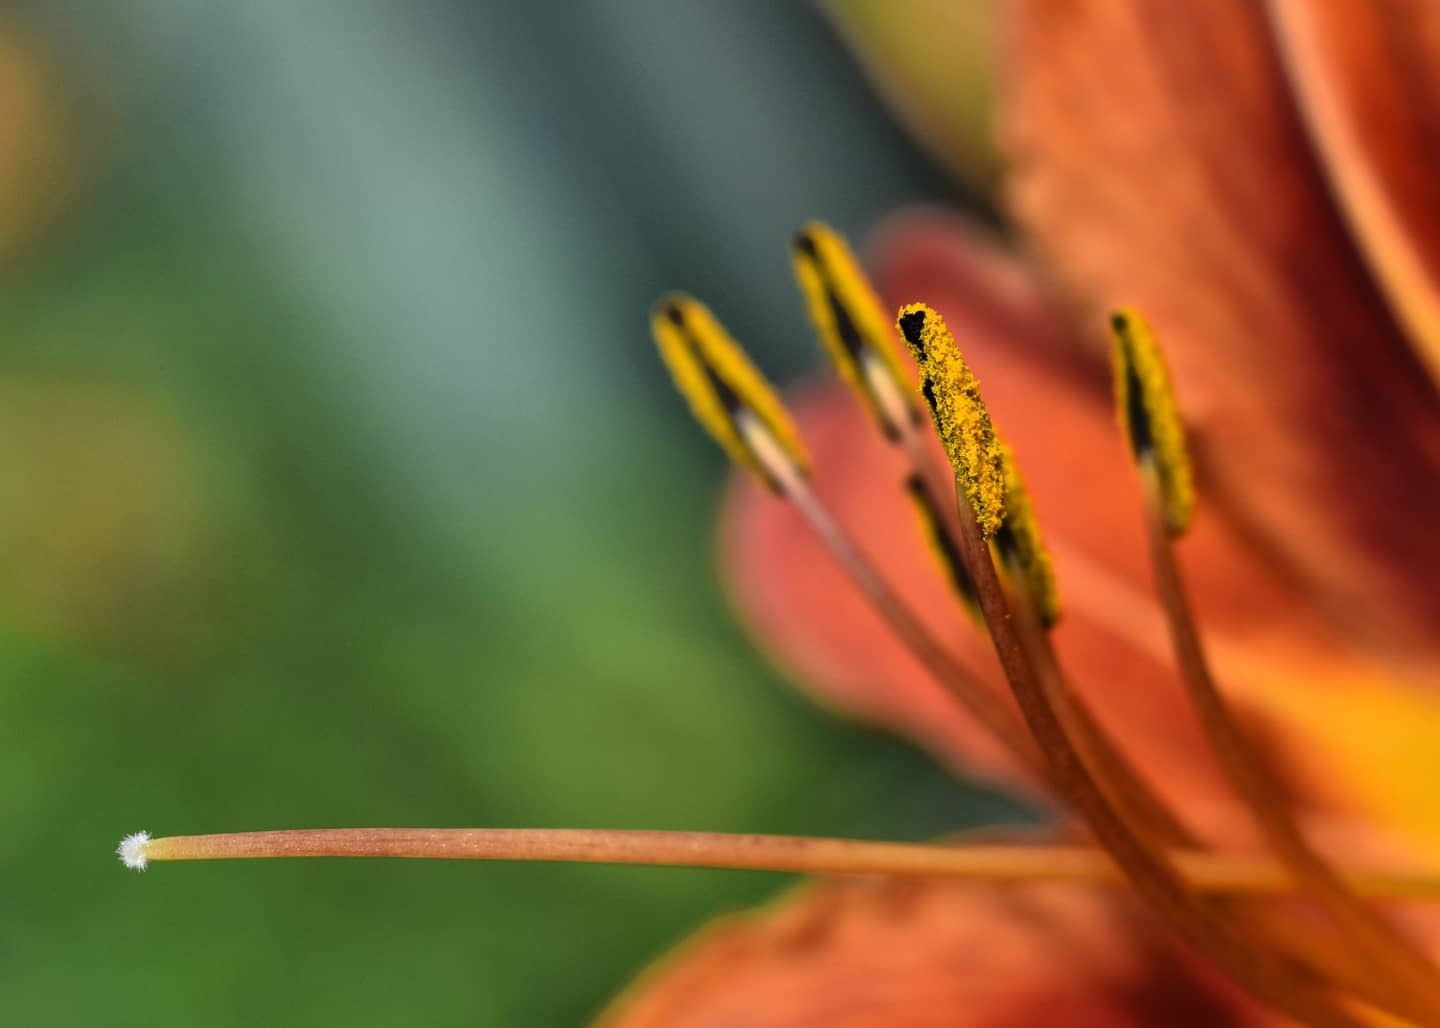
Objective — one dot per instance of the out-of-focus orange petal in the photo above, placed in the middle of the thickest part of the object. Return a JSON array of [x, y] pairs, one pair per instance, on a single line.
[[930, 955], [41, 159], [933, 63], [1159, 160], [1367, 77]]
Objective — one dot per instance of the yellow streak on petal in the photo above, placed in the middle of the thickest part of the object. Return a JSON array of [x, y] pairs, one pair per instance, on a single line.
[[1372, 741], [959, 413], [1140, 366], [1022, 532], [850, 321], [706, 364]]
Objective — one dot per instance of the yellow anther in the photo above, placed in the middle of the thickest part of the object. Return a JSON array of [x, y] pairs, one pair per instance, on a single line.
[[727, 395], [1148, 413], [855, 329], [1022, 546], [941, 543], [959, 413]]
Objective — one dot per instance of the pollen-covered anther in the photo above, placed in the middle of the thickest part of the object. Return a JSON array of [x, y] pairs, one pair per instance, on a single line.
[[1022, 546], [853, 326], [727, 395], [1149, 416], [961, 419]]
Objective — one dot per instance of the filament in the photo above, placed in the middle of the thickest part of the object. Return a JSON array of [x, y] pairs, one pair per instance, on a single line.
[[1375, 941]]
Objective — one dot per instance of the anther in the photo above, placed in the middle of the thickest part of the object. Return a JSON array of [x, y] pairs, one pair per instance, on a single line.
[[959, 413], [1145, 404], [853, 327], [727, 395]]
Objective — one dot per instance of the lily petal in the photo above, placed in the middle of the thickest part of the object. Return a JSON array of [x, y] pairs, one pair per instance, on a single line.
[[1368, 84], [930, 955], [933, 63], [40, 159], [1160, 161]]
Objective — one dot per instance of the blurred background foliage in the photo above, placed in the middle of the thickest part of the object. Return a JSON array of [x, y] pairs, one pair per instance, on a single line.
[[343, 488]]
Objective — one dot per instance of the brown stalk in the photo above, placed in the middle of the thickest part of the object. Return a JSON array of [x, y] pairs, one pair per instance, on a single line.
[[1153, 875], [985, 706], [1374, 941], [1317, 956], [1112, 770]]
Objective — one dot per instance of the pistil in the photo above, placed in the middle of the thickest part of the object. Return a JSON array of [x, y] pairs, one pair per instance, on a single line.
[[1012, 864]]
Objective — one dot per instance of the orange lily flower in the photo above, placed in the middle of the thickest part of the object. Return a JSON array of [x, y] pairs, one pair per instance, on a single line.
[[1255, 179], [1219, 166]]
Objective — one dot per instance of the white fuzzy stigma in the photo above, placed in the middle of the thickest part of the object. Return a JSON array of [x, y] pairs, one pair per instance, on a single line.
[[132, 850]]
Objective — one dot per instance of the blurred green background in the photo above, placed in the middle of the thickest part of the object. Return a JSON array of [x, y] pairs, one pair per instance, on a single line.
[[343, 488]]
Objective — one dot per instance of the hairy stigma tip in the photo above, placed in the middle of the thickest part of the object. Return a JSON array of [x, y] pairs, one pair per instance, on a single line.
[[132, 850]]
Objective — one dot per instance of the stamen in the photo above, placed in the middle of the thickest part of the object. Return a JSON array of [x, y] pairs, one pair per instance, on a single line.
[[715, 376], [860, 340], [854, 328], [740, 410], [1113, 772], [1148, 413], [1394, 959], [965, 687], [782, 853], [1021, 548], [1147, 409], [953, 396], [1149, 868]]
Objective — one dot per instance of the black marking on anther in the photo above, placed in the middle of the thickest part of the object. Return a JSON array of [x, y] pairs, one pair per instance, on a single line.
[[729, 399], [944, 542], [912, 324], [1137, 418], [849, 335], [927, 390], [1005, 540], [857, 347]]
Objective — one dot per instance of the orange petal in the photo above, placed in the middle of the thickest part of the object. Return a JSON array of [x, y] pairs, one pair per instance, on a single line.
[[1160, 161], [933, 63], [1367, 78], [930, 955], [42, 157]]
